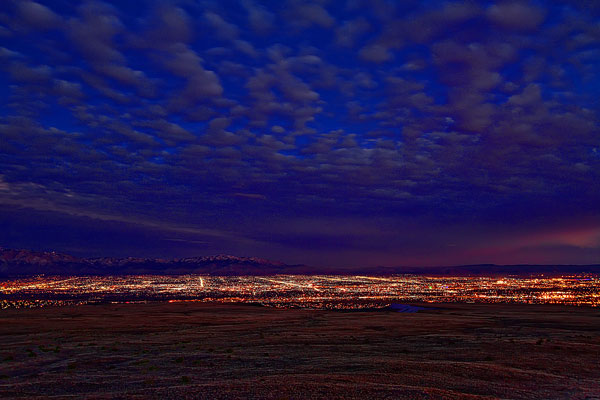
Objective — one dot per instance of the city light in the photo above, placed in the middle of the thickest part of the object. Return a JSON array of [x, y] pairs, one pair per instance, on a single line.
[[291, 291]]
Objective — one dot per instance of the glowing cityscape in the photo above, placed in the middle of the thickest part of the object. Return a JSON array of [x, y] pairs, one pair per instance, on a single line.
[[293, 291]]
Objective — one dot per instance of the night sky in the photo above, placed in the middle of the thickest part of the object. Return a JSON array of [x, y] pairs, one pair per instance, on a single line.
[[339, 133]]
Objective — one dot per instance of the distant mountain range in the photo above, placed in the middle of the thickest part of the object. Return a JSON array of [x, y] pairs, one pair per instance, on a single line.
[[17, 263], [27, 262]]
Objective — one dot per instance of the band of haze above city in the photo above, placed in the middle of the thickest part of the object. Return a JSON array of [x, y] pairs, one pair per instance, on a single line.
[[327, 133]]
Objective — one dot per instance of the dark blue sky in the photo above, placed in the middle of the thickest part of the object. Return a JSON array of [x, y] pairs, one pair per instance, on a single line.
[[327, 132]]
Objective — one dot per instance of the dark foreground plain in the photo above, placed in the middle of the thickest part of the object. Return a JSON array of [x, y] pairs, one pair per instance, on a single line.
[[216, 351]]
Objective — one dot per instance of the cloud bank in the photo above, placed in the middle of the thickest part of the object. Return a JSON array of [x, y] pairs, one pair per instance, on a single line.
[[362, 132]]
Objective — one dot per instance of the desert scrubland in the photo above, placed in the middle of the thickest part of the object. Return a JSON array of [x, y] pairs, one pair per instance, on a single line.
[[214, 351]]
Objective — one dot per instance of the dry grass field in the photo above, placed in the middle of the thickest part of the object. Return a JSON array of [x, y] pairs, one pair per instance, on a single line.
[[215, 351]]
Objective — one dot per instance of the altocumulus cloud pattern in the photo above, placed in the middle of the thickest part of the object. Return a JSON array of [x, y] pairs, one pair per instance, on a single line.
[[333, 132]]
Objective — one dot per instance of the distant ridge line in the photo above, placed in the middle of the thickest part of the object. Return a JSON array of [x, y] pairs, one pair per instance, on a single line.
[[21, 263]]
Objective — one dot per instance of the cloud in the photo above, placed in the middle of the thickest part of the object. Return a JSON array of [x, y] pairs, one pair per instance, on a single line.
[[255, 196], [375, 53], [516, 15], [170, 131], [201, 84], [432, 23], [305, 15], [222, 28], [68, 89], [348, 33], [24, 73], [92, 33], [167, 24], [259, 18], [530, 96], [449, 113], [246, 48], [38, 16]]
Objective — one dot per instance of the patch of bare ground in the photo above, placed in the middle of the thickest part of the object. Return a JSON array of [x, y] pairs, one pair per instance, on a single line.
[[215, 351]]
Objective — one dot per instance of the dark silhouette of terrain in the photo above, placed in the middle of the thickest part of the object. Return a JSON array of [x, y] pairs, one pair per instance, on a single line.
[[16, 263], [189, 350]]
